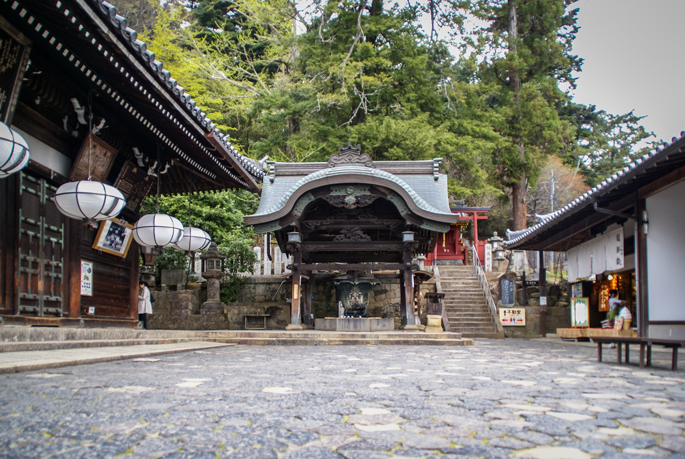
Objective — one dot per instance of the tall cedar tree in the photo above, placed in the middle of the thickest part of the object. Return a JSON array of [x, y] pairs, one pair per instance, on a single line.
[[525, 49]]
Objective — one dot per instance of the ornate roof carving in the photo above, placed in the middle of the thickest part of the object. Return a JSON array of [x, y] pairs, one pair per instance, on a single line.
[[350, 156]]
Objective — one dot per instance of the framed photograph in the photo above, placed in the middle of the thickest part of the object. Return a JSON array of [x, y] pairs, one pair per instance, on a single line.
[[580, 312], [114, 237]]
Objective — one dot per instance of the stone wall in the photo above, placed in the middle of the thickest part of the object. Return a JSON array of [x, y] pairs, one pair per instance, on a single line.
[[181, 310]]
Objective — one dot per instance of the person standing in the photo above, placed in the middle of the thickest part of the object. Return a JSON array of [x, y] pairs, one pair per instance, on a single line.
[[144, 304], [614, 304]]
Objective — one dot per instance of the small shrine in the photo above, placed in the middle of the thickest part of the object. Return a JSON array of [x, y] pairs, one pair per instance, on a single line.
[[351, 221]]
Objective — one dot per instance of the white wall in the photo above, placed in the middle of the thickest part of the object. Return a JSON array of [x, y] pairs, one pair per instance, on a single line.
[[46, 155], [666, 254]]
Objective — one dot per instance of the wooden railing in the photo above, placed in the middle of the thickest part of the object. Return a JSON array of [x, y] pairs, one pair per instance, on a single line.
[[486, 291], [438, 289]]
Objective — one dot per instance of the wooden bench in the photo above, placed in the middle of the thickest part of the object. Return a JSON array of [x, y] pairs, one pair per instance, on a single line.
[[265, 316], [645, 345]]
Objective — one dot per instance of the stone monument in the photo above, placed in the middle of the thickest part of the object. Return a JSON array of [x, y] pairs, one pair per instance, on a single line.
[[212, 260]]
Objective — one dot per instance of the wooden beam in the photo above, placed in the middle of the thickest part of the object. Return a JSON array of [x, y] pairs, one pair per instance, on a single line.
[[664, 182], [352, 267], [353, 257], [251, 181], [359, 246]]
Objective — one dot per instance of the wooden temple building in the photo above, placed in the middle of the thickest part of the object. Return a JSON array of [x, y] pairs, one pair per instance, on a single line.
[[354, 214], [63, 62], [627, 229]]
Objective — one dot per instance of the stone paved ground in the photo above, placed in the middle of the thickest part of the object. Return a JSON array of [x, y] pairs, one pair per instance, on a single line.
[[506, 398]]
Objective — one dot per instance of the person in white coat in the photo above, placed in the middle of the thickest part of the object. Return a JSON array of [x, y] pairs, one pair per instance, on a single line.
[[144, 304]]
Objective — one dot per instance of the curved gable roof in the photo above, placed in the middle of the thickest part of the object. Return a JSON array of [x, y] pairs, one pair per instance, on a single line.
[[273, 206]]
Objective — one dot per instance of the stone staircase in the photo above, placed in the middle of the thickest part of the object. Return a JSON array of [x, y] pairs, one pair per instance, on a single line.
[[465, 304]]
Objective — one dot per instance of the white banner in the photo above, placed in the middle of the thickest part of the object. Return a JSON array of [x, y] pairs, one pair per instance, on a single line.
[[613, 245]]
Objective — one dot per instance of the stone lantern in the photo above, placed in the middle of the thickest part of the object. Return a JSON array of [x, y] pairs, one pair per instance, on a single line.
[[211, 264], [498, 250]]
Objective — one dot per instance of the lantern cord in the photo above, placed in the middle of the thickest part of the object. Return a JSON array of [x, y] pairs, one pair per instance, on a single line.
[[158, 174], [90, 128]]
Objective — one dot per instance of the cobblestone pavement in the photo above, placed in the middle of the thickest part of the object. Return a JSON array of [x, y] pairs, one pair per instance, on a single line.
[[504, 398]]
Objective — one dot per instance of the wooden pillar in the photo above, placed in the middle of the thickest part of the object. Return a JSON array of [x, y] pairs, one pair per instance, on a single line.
[[307, 303], [408, 291], [135, 281], [73, 252], [642, 312], [295, 317], [542, 277]]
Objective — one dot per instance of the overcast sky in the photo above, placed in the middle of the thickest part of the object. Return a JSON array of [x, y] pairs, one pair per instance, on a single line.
[[633, 51]]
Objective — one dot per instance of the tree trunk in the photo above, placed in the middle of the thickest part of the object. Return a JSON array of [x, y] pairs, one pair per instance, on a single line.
[[519, 190], [518, 200]]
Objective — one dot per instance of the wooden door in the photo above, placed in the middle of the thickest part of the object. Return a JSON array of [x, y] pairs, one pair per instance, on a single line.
[[40, 250]]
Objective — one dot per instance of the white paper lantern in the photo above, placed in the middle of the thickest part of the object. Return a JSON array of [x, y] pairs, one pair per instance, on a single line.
[[157, 230], [88, 199], [193, 240], [14, 151]]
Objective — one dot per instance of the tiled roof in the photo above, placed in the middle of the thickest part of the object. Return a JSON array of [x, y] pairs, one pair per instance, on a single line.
[[272, 203], [618, 179], [147, 57]]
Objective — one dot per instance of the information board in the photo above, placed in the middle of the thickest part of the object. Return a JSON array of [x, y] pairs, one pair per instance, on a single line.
[[86, 278], [580, 312], [508, 287], [512, 317]]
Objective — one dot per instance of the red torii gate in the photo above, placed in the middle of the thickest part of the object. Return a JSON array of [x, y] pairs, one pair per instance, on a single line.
[[450, 245]]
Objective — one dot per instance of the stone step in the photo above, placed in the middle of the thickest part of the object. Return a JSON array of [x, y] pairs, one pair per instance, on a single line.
[[467, 305], [80, 344], [332, 341], [486, 335], [469, 321], [278, 337]]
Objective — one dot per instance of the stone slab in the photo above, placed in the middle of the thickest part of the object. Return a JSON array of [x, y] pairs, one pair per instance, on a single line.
[[361, 324]]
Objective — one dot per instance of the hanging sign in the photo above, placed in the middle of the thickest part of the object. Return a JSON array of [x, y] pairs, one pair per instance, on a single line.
[[512, 317], [86, 278], [134, 183], [14, 54]]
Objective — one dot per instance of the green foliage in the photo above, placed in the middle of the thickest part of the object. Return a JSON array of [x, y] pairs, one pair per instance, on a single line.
[[365, 72], [240, 256], [171, 259], [220, 213], [230, 289]]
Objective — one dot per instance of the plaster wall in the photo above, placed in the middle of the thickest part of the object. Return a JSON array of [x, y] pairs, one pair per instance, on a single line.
[[46, 155], [666, 256]]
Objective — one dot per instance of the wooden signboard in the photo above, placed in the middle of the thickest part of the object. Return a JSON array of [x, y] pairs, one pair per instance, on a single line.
[[101, 160], [14, 54], [603, 296], [134, 183], [580, 312]]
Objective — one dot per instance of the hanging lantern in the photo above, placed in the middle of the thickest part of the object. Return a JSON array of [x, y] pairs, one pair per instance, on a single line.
[[14, 151], [193, 240], [90, 200], [157, 230]]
